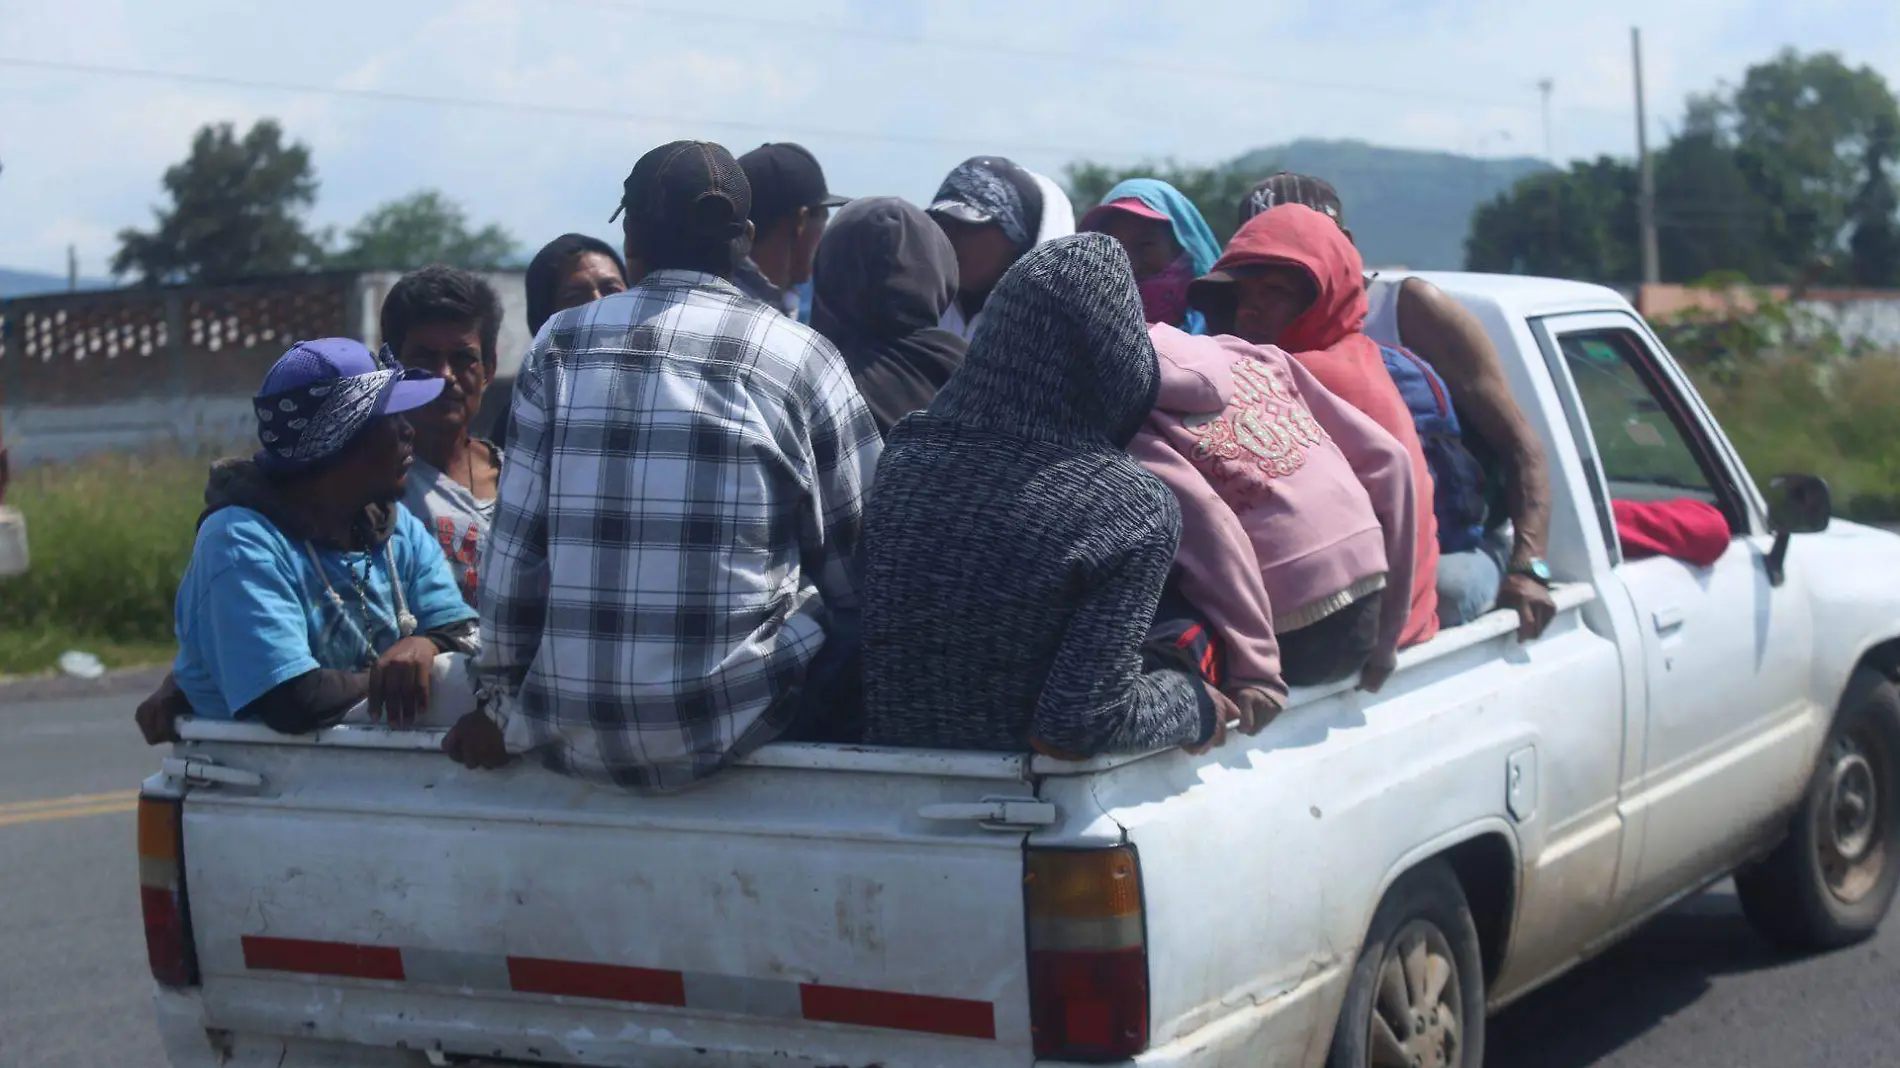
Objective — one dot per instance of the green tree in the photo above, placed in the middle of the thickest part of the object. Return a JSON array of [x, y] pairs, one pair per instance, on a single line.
[[422, 228], [1875, 247], [1709, 220], [1582, 223], [1579, 223], [1215, 191], [235, 213], [1803, 126]]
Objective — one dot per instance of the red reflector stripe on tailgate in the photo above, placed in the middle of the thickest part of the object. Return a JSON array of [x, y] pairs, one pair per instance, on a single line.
[[609, 982], [922, 1013], [902, 1012], [322, 958]]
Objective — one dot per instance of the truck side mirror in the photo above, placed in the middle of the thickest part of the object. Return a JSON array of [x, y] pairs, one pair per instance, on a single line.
[[1797, 504]]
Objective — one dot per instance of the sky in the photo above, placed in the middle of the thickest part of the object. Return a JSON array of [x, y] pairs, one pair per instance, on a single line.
[[564, 95]]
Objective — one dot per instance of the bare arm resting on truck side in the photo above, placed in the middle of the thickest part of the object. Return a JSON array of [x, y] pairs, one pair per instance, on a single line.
[[296, 706], [309, 701], [1445, 333]]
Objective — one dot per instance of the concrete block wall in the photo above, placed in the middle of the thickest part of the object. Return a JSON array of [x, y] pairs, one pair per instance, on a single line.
[[175, 366]]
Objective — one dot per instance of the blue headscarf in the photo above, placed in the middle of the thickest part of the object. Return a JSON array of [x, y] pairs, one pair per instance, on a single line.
[[1190, 229]]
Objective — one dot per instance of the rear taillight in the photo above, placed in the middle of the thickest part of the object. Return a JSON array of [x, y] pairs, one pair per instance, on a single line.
[[1088, 953], [162, 892]]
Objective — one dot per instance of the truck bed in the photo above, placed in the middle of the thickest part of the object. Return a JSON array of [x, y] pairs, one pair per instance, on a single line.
[[373, 892], [823, 904]]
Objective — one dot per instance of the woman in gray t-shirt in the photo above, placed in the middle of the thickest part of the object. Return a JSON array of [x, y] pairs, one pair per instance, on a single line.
[[458, 519], [446, 321]]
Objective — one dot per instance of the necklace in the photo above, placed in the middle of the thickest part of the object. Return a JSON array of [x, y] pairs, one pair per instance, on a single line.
[[360, 580], [405, 620], [468, 455]]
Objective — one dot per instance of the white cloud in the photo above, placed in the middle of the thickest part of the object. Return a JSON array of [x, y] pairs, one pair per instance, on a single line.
[[1040, 81]]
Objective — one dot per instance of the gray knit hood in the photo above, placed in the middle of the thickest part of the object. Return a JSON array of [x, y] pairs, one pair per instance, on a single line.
[[1013, 553], [1062, 353]]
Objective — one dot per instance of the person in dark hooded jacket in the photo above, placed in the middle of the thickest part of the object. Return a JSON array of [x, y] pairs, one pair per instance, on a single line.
[[310, 588], [1014, 554], [884, 275]]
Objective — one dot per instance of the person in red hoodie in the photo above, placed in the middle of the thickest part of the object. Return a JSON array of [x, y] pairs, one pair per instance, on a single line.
[[1290, 278]]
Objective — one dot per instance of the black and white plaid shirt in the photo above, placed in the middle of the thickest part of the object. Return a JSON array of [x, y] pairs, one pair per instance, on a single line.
[[682, 496]]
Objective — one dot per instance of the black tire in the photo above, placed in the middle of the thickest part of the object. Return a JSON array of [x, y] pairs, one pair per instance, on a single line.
[[1424, 911], [1831, 882]]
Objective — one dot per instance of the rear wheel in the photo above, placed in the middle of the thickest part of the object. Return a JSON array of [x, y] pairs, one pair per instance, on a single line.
[[1417, 994], [1831, 883]]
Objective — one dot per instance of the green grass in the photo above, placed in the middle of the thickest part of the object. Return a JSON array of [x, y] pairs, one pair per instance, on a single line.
[[34, 652], [1795, 396], [110, 537], [1837, 418]]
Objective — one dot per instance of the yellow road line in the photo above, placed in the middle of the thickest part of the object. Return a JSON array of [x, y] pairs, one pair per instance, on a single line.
[[67, 813], [59, 808], [65, 802]]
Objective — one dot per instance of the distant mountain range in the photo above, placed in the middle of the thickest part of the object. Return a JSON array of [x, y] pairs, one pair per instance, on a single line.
[[30, 283], [1405, 208]]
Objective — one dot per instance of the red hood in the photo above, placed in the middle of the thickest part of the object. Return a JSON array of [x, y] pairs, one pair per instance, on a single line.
[[1295, 233], [1327, 341]]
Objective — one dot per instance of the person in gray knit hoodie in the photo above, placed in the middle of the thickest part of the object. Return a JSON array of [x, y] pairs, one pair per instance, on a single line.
[[1014, 555]]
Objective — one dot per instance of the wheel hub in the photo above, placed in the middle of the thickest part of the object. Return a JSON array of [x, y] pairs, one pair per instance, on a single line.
[[1415, 1016], [1854, 798], [1852, 827]]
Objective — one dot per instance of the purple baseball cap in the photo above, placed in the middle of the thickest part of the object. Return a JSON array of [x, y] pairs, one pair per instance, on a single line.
[[321, 394]]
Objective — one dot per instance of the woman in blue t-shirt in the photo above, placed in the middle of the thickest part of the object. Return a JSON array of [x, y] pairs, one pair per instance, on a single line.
[[310, 589]]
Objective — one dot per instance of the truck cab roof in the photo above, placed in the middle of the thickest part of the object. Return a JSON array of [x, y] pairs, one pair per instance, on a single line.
[[1519, 296]]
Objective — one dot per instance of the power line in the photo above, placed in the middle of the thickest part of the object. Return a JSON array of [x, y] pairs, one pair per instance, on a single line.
[[569, 110], [769, 128], [1094, 59]]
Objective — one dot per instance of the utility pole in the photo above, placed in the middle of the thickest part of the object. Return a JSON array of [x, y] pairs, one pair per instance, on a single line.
[[1646, 197], [72, 269], [1544, 86]]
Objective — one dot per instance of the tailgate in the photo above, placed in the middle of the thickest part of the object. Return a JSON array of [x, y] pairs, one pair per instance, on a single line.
[[802, 909]]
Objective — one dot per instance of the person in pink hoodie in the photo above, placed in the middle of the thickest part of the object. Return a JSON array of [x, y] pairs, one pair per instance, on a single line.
[[1296, 517]]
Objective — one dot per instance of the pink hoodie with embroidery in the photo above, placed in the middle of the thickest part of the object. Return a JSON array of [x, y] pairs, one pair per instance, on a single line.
[[1293, 503]]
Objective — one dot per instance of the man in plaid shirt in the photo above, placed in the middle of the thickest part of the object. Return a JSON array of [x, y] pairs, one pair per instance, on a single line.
[[682, 498]]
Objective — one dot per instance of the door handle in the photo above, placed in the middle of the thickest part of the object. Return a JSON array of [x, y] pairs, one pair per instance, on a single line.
[[1668, 619], [996, 813]]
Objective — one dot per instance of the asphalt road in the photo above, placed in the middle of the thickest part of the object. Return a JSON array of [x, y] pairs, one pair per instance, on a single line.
[[1694, 988], [74, 989]]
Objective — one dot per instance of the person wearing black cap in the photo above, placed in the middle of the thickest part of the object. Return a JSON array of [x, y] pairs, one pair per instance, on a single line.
[[994, 212], [790, 204], [669, 566], [1414, 314]]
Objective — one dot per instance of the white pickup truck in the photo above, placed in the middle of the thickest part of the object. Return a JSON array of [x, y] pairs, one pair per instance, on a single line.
[[1357, 886]]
